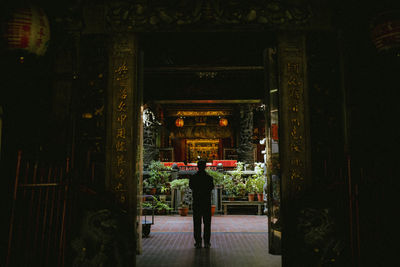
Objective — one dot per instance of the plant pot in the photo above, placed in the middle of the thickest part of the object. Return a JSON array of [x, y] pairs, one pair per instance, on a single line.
[[251, 196], [260, 197], [231, 198], [183, 211], [212, 210], [153, 191]]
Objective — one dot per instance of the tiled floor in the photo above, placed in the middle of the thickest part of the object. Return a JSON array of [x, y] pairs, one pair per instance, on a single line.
[[236, 240], [219, 223]]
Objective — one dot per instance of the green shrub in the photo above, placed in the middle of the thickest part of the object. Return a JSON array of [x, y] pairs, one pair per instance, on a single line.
[[156, 204], [218, 177], [251, 186], [159, 175], [180, 184]]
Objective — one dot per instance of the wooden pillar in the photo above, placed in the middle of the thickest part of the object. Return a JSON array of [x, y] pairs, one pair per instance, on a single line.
[[124, 160], [272, 170], [294, 139]]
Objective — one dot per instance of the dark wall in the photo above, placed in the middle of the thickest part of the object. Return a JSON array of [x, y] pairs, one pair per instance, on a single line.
[[25, 97], [372, 89], [327, 141]]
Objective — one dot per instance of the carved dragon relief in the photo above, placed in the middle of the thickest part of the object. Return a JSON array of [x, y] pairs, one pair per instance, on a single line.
[[150, 128], [140, 15], [245, 148]]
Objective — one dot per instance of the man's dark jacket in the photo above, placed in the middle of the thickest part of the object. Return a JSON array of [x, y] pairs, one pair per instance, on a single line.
[[201, 184]]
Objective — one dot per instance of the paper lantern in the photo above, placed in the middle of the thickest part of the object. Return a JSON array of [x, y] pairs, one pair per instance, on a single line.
[[385, 32], [28, 29], [223, 122], [179, 122]]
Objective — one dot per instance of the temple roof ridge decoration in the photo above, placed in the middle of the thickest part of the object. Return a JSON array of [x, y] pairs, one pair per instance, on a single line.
[[140, 15]]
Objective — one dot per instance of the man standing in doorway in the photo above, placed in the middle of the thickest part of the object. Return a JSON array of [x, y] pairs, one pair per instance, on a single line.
[[201, 184]]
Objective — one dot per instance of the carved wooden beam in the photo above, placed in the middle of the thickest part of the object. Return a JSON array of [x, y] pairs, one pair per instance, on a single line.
[[169, 69], [210, 101], [139, 15]]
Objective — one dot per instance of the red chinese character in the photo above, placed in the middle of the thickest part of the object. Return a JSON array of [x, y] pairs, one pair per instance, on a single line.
[[24, 41]]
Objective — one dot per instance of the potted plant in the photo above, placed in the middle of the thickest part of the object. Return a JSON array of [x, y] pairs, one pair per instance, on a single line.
[[165, 190], [236, 183], [241, 189], [259, 181], [161, 207], [156, 205], [182, 185], [229, 187], [251, 188], [260, 188], [158, 175]]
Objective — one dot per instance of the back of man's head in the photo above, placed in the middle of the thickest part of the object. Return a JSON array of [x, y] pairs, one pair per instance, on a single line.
[[201, 164]]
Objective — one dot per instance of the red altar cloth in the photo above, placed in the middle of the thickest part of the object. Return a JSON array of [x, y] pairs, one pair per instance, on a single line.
[[169, 164], [225, 163]]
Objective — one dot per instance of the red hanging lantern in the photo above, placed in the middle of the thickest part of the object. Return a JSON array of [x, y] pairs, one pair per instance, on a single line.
[[28, 29], [179, 122], [274, 132], [223, 122]]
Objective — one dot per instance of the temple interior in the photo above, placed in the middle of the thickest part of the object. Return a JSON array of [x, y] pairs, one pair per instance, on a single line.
[[107, 106], [196, 83]]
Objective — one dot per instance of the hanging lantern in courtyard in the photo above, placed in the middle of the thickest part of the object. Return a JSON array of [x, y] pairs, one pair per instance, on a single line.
[[179, 122], [385, 31], [27, 29], [223, 122]]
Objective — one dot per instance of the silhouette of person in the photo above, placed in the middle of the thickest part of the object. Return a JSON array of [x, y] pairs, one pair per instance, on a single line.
[[201, 184]]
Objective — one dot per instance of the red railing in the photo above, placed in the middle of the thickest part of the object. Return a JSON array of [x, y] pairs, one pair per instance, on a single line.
[[40, 206], [227, 164]]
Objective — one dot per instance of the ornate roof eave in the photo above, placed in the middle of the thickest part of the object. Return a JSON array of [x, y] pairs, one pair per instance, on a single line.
[[204, 15]]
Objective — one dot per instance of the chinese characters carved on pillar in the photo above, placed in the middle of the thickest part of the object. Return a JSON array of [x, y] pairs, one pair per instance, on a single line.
[[293, 105], [120, 133]]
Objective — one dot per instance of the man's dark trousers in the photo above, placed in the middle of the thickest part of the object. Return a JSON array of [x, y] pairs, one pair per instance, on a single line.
[[202, 211]]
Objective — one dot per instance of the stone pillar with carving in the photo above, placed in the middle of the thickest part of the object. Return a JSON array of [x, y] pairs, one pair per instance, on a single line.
[[245, 147], [124, 124], [294, 138]]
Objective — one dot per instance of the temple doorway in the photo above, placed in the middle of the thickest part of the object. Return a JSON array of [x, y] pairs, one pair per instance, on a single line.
[[205, 95]]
